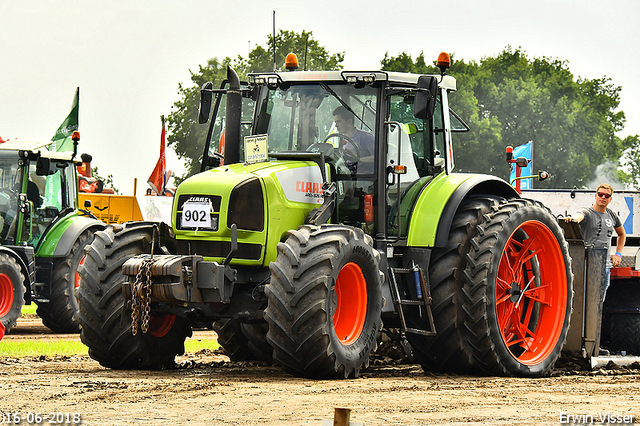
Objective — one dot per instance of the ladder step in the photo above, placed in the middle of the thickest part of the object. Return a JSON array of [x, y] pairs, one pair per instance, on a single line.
[[413, 302], [421, 332], [423, 300]]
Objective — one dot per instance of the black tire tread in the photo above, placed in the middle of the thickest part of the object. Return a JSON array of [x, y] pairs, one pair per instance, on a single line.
[[11, 267], [105, 323], [299, 322], [625, 333], [60, 314], [449, 351], [479, 329]]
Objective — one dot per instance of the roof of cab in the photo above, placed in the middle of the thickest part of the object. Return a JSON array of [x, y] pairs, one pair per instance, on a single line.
[[447, 81], [15, 145]]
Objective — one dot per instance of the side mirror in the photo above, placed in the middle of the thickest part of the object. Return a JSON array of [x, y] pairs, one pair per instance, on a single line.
[[425, 102], [44, 167], [205, 102]]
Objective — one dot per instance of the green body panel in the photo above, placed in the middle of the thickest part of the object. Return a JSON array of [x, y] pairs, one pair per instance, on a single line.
[[429, 207], [49, 242], [282, 214]]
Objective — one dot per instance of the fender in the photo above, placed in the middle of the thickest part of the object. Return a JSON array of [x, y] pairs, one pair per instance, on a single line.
[[436, 206], [60, 239]]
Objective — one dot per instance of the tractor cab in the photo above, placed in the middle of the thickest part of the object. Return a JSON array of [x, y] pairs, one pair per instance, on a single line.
[[378, 145], [36, 187]]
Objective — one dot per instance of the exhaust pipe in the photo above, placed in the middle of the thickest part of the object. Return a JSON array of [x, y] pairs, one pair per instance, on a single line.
[[233, 118]]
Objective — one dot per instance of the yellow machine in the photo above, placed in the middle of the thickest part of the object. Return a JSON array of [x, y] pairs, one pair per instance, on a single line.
[[111, 208]]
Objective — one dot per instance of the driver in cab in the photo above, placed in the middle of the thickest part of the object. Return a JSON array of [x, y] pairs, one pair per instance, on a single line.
[[360, 157]]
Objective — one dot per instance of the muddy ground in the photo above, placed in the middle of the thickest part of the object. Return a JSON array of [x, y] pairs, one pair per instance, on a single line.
[[207, 389]]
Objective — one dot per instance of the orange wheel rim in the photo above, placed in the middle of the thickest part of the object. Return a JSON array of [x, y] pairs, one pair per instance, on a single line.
[[77, 282], [6, 294], [531, 293], [159, 326], [351, 306]]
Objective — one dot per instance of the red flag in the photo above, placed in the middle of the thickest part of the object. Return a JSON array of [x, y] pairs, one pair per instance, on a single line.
[[158, 178]]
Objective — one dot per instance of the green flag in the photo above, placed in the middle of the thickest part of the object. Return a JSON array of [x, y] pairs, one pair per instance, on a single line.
[[62, 141], [62, 138]]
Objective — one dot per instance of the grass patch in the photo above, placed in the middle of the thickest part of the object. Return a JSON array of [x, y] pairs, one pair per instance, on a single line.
[[50, 347], [31, 347], [194, 345], [29, 309]]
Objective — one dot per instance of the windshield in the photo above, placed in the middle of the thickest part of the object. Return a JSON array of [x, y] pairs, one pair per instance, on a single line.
[[337, 119], [303, 115]]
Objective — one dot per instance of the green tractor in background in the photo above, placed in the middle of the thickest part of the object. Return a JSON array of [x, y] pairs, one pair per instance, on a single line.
[[327, 208], [42, 234]]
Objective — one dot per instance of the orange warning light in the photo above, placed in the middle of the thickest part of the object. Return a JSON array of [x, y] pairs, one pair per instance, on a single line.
[[292, 62]]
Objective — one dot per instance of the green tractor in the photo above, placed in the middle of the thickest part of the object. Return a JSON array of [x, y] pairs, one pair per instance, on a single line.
[[331, 210], [42, 234]]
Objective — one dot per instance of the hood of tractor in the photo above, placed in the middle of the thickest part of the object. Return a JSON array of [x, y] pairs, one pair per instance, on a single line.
[[264, 201]]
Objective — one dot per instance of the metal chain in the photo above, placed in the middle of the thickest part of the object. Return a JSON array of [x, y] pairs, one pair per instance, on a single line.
[[141, 297]]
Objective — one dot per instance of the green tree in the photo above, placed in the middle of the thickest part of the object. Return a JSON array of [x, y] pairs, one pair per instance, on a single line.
[[311, 55], [511, 99], [186, 137]]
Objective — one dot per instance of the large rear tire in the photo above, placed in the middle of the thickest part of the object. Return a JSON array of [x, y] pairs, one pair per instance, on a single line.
[[324, 301], [625, 333], [518, 290], [105, 323], [60, 314], [448, 351], [12, 291]]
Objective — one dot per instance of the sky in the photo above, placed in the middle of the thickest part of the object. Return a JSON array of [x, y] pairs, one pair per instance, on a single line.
[[128, 57]]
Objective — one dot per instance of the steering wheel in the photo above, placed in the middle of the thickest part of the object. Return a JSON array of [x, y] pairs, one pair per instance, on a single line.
[[323, 147], [348, 150]]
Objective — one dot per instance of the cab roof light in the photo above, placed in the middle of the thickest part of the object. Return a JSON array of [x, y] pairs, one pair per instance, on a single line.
[[444, 62], [291, 63], [272, 81], [359, 80]]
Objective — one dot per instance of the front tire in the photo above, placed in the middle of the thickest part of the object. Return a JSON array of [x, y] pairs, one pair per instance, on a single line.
[[12, 291], [105, 323], [324, 301], [518, 290], [60, 314]]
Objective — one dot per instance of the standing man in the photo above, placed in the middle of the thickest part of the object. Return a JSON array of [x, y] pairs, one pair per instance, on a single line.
[[597, 224]]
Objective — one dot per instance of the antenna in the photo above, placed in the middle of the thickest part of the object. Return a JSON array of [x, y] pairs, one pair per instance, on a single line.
[[274, 41], [306, 44]]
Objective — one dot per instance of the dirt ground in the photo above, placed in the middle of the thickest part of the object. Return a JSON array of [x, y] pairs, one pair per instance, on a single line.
[[207, 389]]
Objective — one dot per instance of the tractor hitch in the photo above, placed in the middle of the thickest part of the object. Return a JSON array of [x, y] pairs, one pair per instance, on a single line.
[[180, 279]]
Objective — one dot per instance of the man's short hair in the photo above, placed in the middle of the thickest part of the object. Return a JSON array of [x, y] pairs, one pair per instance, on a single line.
[[344, 113], [605, 186]]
